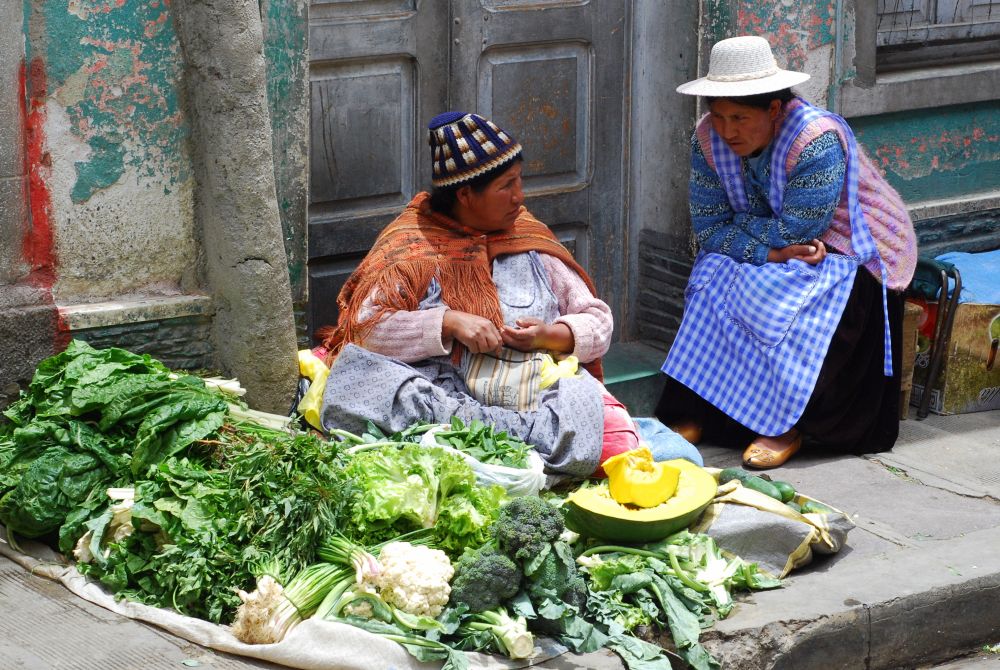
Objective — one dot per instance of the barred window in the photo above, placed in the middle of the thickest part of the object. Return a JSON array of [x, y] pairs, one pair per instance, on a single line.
[[914, 33]]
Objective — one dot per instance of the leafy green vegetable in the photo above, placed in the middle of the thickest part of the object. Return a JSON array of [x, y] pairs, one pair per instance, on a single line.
[[406, 487], [48, 489], [482, 442], [681, 583], [104, 412], [205, 526]]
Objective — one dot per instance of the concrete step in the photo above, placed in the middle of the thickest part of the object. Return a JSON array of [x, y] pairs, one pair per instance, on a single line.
[[919, 580], [632, 374], [891, 612]]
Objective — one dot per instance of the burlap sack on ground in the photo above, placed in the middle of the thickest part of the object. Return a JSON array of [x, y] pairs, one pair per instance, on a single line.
[[760, 529], [312, 645]]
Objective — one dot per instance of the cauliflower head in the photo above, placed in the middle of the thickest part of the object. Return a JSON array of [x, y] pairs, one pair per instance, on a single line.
[[415, 578]]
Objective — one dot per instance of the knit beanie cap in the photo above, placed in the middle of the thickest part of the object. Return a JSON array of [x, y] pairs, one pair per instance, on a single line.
[[464, 146]]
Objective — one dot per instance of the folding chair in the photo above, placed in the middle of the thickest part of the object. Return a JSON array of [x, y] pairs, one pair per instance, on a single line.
[[931, 281]]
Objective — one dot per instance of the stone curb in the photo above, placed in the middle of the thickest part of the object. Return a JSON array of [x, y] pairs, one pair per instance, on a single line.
[[883, 612]]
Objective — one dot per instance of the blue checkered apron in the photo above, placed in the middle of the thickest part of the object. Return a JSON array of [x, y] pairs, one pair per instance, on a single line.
[[753, 338]]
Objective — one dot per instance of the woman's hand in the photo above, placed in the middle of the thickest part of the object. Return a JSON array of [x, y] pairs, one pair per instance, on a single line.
[[532, 334], [812, 253], [476, 333]]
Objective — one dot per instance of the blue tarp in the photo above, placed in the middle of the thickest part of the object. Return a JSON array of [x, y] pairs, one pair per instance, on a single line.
[[980, 275], [664, 443]]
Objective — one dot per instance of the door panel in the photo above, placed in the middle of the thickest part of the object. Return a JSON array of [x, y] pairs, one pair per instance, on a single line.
[[540, 86], [548, 71], [377, 72], [552, 74], [361, 158]]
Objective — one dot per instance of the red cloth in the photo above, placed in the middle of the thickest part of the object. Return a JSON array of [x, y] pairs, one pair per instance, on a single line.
[[620, 433]]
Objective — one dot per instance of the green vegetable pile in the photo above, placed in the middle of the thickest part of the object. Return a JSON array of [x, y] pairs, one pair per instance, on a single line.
[[206, 524], [90, 418], [209, 499], [682, 584], [169, 491], [484, 444], [170, 494]]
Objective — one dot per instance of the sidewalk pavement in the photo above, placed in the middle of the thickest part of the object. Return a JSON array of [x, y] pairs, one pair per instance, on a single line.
[[917, 583]]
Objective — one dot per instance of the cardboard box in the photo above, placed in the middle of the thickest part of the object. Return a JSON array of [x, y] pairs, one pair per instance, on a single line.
[[969, 380]]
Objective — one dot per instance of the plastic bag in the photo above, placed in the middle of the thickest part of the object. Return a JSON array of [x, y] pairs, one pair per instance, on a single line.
[[516, 481], [758, 528], [313, 368]]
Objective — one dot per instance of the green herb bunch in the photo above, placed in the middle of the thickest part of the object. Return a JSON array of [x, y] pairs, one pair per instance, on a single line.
[[204, 527]]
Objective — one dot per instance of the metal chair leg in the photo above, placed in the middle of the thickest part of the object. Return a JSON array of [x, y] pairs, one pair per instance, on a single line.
[[942, 334]]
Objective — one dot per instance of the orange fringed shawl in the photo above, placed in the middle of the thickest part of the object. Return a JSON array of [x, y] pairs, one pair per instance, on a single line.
[[421, 245]]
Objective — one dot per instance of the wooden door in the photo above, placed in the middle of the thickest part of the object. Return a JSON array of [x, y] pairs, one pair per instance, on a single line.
[[551, 72]]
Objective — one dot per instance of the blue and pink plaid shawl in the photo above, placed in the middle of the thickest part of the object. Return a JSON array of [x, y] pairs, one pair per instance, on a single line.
[[753, 338]]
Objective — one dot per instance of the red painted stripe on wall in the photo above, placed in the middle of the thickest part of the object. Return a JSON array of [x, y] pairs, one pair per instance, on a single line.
[[38, 246]]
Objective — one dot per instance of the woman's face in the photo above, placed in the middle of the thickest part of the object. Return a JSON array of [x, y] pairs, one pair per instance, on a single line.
[[495, 207], [747, 130]]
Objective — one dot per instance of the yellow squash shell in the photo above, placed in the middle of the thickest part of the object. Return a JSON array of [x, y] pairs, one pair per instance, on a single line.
[[592, 510], [634, 477]]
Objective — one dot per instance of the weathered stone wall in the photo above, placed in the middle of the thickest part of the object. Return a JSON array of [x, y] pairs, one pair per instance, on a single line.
[[99, 213], [934, 154], [183, 343], [13, 180], [660, 130], [113, 147], [28, 319]]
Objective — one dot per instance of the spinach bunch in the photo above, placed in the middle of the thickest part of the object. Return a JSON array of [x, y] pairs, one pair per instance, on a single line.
[[484, 443], [90, 418]]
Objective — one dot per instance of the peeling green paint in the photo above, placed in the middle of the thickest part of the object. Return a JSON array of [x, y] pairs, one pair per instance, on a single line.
[[102, 170], [719, 22], [285, 52], [945, 152], [793, 28], [116, 67]]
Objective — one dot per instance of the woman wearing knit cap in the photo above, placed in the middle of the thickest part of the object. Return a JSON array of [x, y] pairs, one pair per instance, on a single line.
[[464, 277], [793, 309]]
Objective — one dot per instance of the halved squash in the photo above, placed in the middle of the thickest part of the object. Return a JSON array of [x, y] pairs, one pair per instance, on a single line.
[[593, 512], [635, 478]]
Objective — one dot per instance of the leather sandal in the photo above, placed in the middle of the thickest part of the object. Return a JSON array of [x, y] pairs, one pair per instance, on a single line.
[[689, 430], [770, 452]]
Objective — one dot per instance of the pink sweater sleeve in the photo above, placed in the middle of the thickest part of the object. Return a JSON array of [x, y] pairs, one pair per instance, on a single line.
[[407, 336], [588, 317], [414, 336]]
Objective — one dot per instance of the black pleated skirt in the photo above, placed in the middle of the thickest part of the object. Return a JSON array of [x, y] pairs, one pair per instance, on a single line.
[[854, 407]]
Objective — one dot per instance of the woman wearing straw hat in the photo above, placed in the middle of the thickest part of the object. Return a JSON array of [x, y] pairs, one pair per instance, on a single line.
[[462, 281], [794, 305]]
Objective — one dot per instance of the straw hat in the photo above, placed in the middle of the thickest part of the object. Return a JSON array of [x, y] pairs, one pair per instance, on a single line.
[[742, 66]]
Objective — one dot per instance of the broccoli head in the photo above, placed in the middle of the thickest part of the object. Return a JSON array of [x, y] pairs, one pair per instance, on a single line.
[[484, 579], [525, 525], [557, 577]]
